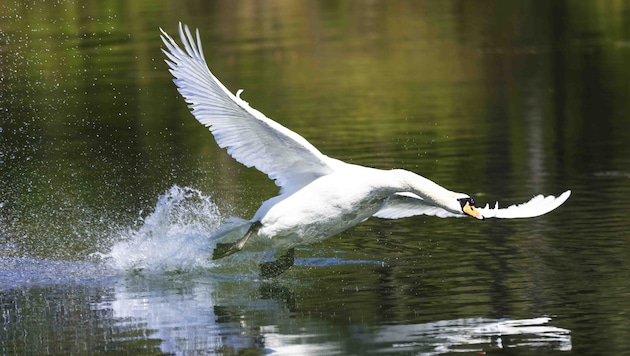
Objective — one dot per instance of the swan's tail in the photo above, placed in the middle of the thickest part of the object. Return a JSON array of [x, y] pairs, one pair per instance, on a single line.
[[231, 230]]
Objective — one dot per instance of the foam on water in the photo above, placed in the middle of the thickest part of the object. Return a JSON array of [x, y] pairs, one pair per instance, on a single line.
[[179, 235]]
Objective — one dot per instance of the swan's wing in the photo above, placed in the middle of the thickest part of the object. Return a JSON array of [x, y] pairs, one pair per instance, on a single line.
[[250, 137], [538, 205], [402, 205]]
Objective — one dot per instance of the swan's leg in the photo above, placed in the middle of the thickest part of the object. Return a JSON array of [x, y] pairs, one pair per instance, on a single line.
[[275, 268], [224, 250]]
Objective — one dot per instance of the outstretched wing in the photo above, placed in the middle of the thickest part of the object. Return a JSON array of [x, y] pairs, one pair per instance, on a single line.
[[250, 137], [401, 205], [538, 205]]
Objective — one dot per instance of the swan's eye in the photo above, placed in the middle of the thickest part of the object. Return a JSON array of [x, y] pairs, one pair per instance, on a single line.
[[464, 201]]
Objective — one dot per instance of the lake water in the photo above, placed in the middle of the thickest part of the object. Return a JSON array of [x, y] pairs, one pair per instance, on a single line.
[[109, 189]]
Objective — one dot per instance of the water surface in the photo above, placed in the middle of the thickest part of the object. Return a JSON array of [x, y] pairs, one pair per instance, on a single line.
[[109, 189]]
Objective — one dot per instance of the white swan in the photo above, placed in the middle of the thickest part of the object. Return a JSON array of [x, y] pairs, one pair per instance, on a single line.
[[319, 196]]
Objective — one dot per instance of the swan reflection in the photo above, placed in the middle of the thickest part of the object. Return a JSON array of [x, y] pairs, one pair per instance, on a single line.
[[235, 316]]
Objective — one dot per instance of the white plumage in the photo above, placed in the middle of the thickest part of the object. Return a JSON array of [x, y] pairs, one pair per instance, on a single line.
[[319, 196]]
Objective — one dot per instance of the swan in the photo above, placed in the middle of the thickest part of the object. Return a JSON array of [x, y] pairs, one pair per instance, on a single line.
[[319, 196]]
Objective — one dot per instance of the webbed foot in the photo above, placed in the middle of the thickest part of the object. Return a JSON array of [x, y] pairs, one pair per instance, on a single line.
[[277, 267], [223, 250]]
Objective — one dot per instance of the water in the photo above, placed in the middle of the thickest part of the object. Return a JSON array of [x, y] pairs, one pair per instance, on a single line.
[[110, 192]]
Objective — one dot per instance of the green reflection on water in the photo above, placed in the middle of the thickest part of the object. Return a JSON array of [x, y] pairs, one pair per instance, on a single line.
[[498, 99]]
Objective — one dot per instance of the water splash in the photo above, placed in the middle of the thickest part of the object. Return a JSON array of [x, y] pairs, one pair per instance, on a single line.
[[179, 235]]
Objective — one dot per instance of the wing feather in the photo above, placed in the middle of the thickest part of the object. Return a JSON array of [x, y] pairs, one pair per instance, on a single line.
[[538, 205], [401, 205], [249, 136]]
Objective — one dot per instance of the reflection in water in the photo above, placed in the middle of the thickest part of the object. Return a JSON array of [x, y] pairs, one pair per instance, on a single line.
[[222, 316], [163, 293], [475, 335], [504, 99], [182, 314]]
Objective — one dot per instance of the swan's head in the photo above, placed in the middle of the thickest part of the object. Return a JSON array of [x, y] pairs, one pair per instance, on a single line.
[[468, 207]]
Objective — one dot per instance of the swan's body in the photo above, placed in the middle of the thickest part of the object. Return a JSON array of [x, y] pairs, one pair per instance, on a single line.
[[319, 196], [337, 201]]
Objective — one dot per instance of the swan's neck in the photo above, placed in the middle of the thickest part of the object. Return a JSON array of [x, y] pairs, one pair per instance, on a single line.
[[429, 190]]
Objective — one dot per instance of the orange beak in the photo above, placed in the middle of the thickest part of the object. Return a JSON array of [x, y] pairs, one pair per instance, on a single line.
[[471, 211]]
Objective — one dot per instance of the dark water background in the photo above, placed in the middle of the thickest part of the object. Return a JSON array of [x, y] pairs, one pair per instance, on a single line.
[[99, 156]]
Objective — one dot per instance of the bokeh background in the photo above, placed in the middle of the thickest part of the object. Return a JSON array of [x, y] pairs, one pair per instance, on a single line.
[[502, 100]]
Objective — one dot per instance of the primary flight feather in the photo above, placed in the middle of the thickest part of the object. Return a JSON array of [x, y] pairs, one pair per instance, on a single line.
[[319, 196]]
